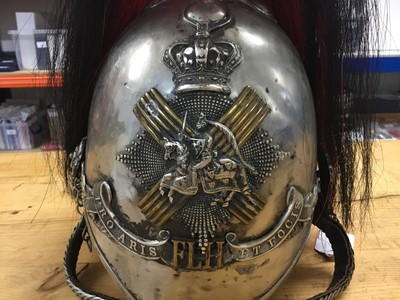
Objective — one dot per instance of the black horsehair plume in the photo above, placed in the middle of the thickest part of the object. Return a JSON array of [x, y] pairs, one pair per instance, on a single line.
[[350, 38]]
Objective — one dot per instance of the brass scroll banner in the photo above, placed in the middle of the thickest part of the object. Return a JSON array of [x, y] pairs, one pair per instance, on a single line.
[[98, 211], [248, 250], [169, 250]]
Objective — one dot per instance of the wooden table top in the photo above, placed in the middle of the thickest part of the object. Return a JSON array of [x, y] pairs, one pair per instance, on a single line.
[[37, 218]]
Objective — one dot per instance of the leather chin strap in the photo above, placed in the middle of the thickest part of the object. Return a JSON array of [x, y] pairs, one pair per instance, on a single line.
[[344, 260]]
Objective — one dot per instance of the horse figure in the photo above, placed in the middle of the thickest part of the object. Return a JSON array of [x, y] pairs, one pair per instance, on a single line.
[[180, 180]]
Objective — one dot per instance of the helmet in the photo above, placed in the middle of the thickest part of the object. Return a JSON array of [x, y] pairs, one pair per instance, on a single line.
[[199, 170]]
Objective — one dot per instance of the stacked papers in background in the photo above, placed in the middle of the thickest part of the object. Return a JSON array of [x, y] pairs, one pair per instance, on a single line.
[[15, 133], [387, 130]]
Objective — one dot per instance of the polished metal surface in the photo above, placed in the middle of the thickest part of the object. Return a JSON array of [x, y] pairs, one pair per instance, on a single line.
[[201, 154]]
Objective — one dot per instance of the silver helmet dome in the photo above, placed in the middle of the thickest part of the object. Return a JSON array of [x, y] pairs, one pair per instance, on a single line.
[[199, 174]]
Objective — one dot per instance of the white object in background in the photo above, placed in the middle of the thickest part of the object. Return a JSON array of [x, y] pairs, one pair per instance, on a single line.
[[24, 49], [24, 38], [25, 22], [322, 244]]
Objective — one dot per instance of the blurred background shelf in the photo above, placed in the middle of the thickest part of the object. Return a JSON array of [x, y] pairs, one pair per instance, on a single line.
[[28, 79]]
